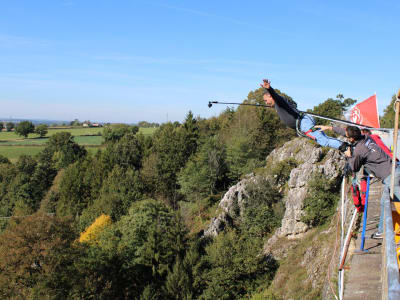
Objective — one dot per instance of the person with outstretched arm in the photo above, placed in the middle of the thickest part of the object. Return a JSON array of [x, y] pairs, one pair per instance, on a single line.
[[304, 124], [365, 152]]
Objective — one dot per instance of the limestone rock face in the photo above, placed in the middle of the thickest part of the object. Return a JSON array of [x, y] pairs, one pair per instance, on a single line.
[[311, 160], [231, 206]]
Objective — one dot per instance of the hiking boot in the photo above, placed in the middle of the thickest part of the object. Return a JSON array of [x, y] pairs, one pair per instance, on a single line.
[[343, 147], [377, 235]]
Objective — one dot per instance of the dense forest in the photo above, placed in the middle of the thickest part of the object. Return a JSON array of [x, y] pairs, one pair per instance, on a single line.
[[128, 222]]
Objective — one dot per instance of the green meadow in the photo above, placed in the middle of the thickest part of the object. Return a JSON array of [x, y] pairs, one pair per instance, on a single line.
[[13, 146]]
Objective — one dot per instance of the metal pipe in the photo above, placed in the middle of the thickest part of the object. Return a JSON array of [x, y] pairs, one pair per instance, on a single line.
[[391, 277], [341, 294], [343, 215], [365, 216], [395, 135], [210, 103], [347, 241]]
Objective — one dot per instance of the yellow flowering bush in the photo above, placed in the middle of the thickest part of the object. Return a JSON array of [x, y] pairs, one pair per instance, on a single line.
[[92, 232]]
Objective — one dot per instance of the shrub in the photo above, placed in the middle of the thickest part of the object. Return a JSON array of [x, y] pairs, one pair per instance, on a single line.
[[281, 171], [321, 200], [261, 210], [92, 232], [237, 267]]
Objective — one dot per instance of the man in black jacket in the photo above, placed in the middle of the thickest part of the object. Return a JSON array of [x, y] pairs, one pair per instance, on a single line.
[[303, 123], [365, 152]]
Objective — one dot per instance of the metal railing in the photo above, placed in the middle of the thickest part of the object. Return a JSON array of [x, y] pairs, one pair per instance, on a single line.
[[390, 268]]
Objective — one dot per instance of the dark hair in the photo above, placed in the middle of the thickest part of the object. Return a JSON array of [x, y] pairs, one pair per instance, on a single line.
[[266, 92], [353, 132], [365, 131]]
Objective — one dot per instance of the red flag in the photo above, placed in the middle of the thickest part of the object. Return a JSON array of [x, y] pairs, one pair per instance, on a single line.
[[366, 113]]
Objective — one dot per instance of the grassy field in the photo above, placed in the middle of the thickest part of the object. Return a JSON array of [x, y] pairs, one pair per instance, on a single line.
[[12, 136], [13, 146], [14, 152]]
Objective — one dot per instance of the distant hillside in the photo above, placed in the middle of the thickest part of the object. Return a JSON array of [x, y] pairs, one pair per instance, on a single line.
[[35, 121]]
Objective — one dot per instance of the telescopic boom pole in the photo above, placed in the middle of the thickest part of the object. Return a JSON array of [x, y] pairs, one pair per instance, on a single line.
[[210, 103]]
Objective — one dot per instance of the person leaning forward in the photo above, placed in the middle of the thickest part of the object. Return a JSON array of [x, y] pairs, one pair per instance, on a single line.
[[365, 152], [303, 123]]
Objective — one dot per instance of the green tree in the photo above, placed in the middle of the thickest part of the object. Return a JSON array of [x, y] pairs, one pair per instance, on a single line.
[[191, 134], [332, 108], [178, 283], [252, 133], [387, 120], [8, 172], [1, 126], [61, 150], [113, 133], [28, 186], [76, 190], [75, 123], [137, 252], [120, 189], [126, 152], [171, 153], [321, 200], [37, 258], [41, 130], [10, 126], [206, 172], [4, 160], [240, 156], [237, 267], [263, 209], [24, 128]]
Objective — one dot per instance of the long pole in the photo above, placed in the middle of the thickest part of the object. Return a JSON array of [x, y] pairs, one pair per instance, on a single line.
[[365, 216], [342, 209], [395, 135], [347, 242], [210, 103]]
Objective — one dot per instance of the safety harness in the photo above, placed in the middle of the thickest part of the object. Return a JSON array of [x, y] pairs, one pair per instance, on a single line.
[[359, 191], [304, 134]]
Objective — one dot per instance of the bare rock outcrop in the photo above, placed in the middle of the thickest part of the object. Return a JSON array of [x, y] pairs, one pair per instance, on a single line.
[[311, 160], [231, 206]]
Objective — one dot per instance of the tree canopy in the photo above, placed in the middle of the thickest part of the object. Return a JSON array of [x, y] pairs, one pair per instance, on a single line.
[[24, 128]]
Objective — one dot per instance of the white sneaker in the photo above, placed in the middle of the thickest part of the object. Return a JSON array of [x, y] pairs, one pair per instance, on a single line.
[[377, 235]]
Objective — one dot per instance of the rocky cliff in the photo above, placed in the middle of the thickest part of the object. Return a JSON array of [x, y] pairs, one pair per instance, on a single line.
[[304, 253], [311, 161]]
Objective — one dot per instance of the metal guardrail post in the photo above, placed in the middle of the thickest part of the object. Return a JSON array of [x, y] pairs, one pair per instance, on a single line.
[[395, 136], [365, 217], [391, 277]]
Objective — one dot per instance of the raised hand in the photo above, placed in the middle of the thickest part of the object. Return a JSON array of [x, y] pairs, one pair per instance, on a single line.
[[266, 84]]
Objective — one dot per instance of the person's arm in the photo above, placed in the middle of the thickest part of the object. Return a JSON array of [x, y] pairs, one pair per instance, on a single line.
[[323, 127], [354, 163], [354, 159], [282, 102], [339, 130]]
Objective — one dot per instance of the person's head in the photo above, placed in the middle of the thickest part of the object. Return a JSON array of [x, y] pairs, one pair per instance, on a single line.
[[268, 99], [365, 131], [353, 133]]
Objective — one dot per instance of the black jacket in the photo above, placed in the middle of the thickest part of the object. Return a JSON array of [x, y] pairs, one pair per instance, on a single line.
[[285, 110], [368, 154]]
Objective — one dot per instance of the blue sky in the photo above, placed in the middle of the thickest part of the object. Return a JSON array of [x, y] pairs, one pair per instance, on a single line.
[[127, 61]]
